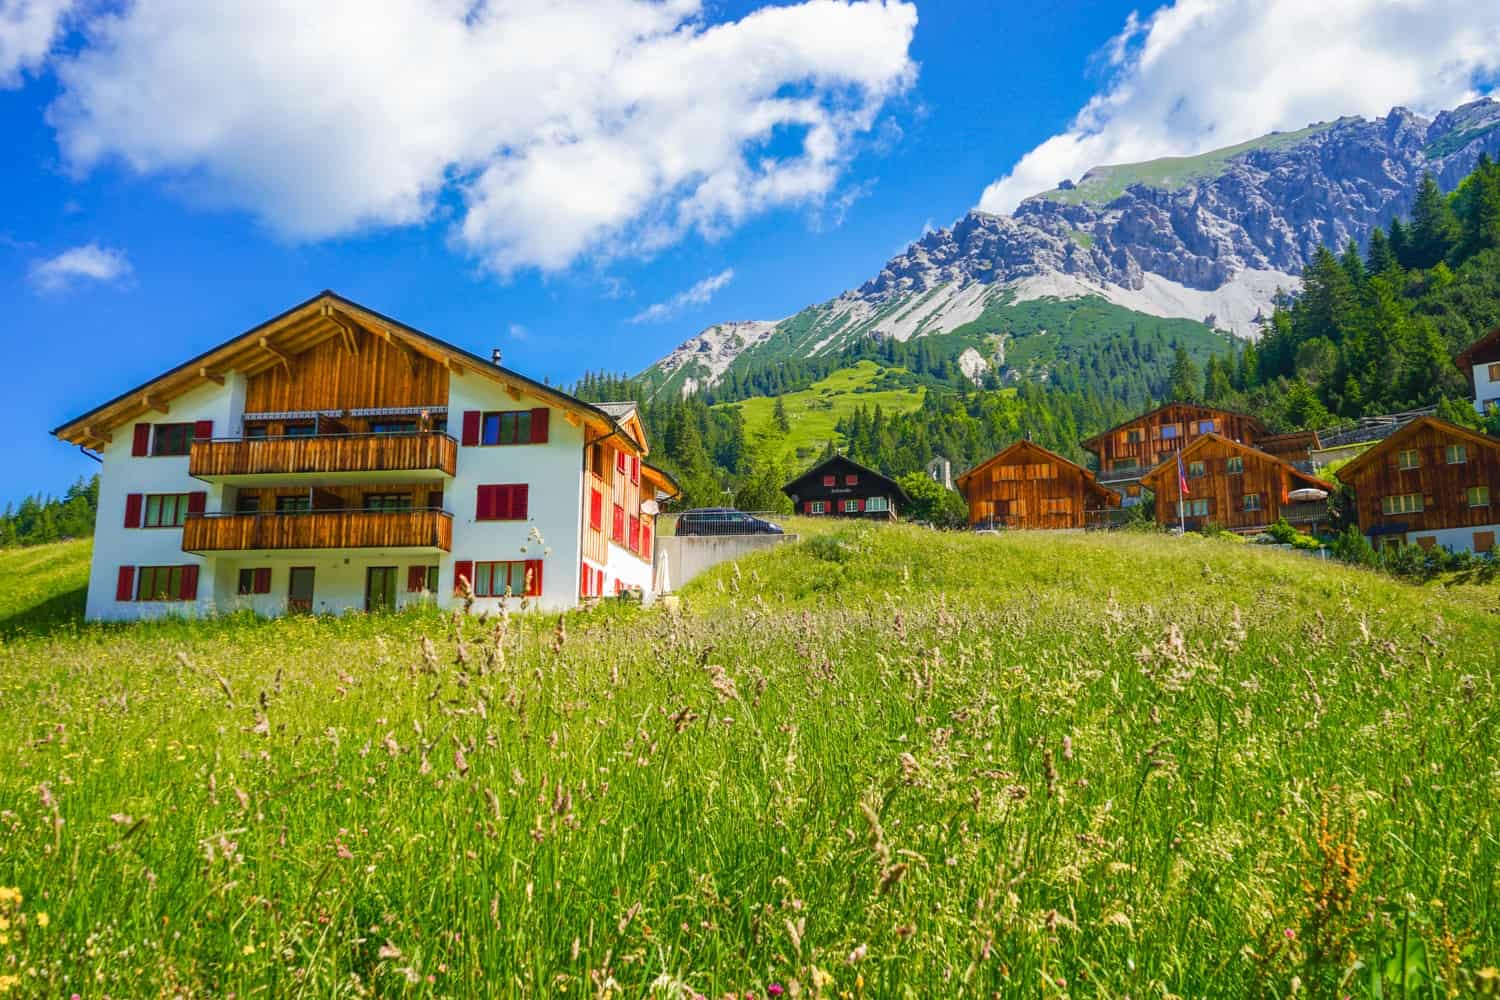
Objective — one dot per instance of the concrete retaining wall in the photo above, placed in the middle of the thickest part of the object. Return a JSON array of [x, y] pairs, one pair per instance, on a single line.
[[690, 555]]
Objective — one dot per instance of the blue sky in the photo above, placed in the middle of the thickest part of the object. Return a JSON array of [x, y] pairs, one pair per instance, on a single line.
[[149, 213]]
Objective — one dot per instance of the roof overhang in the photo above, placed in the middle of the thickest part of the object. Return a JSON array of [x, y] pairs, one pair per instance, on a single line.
[[1401, 434]]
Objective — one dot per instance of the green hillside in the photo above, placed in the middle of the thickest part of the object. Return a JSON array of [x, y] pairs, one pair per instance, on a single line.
[[1102, 185], [43, 585], [813, 412], [884, 762]]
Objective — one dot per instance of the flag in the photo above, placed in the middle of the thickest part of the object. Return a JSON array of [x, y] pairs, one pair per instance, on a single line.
[[1182, 483]]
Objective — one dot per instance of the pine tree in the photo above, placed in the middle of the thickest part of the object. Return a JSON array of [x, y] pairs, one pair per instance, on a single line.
[[1183, 381], [1434, 230], [1380, 259], [778, 414], [1478, 208]]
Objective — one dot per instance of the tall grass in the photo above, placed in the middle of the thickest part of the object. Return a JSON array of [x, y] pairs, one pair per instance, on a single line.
[[883, 762]]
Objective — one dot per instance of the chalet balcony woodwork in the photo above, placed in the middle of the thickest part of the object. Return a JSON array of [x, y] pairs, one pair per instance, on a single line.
[[328, 458], [421, 528]]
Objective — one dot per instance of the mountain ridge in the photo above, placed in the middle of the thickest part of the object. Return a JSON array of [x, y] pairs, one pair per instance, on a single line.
[[1209, 238]]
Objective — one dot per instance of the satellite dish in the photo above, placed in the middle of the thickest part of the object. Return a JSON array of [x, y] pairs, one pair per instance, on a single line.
[[650, 507]]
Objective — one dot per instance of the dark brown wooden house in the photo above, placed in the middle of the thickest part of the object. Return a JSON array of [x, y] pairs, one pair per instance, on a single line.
[[1428, 484], [1127, 452], [1233, 486], [841, 487], [1027, 486]]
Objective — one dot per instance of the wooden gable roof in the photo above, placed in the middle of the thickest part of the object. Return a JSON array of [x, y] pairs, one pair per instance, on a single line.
[[1198, 410], [1031, 448], [279, 340], [844, 462], [660, 481], [1349, 470], [1203, 441]]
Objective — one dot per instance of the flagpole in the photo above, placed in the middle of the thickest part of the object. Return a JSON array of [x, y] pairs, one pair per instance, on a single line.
[[1181, 494]]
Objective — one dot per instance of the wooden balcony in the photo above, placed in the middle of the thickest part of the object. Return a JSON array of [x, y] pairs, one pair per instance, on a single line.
[[423, 528], [328, 457]]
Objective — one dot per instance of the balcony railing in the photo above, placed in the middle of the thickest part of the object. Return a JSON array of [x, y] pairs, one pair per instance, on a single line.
[[1315, 512], [420, 528], [226, 458]]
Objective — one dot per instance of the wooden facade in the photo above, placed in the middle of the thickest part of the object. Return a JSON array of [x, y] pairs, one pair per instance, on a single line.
[[227, 458], [841, 487], [1127, 452], [1028, 487], [1431, 476], [358, 371], [1233, 486], [319, 529]]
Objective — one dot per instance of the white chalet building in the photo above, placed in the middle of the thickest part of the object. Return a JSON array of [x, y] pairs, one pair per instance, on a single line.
[[334, 459]]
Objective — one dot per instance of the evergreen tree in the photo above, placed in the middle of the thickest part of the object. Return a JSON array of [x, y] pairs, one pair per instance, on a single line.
[[1184, 383], [778, 415], [1434, 230]]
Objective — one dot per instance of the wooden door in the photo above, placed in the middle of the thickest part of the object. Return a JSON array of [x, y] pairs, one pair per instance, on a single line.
[[380, 588], [299, 596]]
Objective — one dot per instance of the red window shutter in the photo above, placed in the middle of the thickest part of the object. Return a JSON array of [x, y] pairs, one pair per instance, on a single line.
[[133, 510], [830, 480], [533, 578], [471, 427], [852, 479], [262, 580], [141, 445], [189, 591], [520, 496], [583, 579], [807, 506], [539, 425], [197, 502], [618, 525], [125, 584], [620, 462], [463, 569], [203, 430], [859, 505], [635, 469], [484, 503], [416, 579], [596, 510]]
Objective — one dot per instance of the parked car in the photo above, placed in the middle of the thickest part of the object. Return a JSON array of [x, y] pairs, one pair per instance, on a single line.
[[723, 521]]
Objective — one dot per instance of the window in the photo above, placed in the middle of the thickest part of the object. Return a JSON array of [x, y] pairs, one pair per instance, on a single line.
[[393, 427], [255, 430], [1168, 432], [1252, 501], [301, 430], [633, 534], [1409, 459], [851, 506], [596, 510], [502, 503], [293, 505], [852, 479], [247, 503], [160, 583], [421, 578], [387, 501], [1133, 437], [1484, 541], [1405, 503], [171, 439], [1234, 466], [830, 480], [1057, 505], [520, 578], [507, 427], [1125, 465], [878, 504], [1456, 454], [165, 510], [1494, 372], [255, 581], [1195, 470], [817, 507], [617, 526], [1205, 426], [1194, 508], [1479, 496]]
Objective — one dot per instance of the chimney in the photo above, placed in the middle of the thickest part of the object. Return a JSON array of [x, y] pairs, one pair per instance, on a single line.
[[495, 357]]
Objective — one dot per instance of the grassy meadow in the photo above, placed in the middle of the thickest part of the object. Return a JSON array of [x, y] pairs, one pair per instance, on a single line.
[[882, 762]]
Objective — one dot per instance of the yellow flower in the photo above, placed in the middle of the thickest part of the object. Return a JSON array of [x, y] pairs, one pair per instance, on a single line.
[[249, 949], [42, 920], [8, 983]]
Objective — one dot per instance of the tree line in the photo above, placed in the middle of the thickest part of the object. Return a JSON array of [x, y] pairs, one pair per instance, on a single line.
[[41, 519]]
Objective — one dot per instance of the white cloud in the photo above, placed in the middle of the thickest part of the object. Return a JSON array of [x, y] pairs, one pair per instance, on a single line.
[[554, 130], [699, 294], [27, 30], [90, 262], [1202, 74], [518, 331]]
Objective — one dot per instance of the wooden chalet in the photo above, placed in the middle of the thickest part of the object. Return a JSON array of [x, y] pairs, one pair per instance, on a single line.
[[1430, 483], [1028, 487], [1233, 486], [1127, 452], [1480, 362], [841, 487], [333, 459]]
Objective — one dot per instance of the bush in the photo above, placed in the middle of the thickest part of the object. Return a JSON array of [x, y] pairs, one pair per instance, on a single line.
[[932, 503], [1352, 547]]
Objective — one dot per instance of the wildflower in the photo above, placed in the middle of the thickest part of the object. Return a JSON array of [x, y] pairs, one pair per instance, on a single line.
[[249, 949], [775, 989], [42, 920], [1290, 934]]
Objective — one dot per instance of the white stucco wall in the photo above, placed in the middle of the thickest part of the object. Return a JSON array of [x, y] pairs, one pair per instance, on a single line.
[[338, 579], [554, 473], [122, 474], [1486, 392], [627, 568], [1456, 539]]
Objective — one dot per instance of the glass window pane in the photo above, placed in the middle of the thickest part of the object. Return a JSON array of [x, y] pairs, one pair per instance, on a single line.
[[482, 579]]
